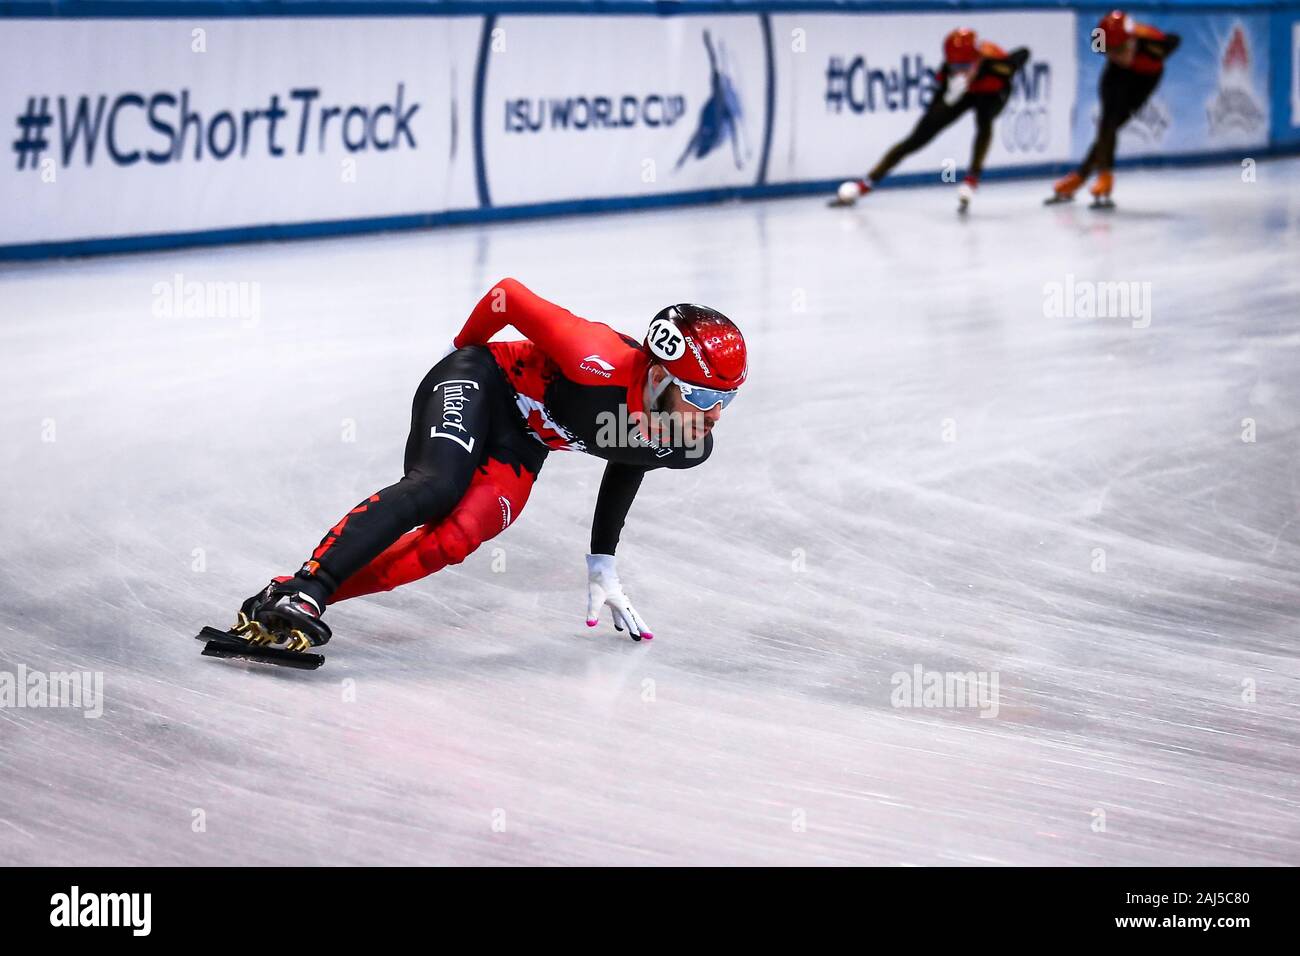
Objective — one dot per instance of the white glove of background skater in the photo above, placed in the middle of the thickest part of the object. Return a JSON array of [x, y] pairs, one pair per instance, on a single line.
[[957, 84], [603, 587]]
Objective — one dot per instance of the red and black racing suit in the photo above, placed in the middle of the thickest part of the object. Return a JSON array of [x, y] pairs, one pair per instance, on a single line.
[[987, 94], [1124, 89], [482, 423]]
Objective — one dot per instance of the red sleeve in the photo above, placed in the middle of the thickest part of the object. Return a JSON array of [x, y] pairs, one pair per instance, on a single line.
[[586, 352]]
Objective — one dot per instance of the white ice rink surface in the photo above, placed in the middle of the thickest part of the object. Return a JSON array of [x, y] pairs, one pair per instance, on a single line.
[[1148, 707]]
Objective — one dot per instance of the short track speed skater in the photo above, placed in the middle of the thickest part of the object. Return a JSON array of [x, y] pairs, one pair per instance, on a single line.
[[483, 420]]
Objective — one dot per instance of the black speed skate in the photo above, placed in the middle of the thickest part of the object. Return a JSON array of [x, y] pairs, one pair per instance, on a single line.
[[275, 626], [288, 613]]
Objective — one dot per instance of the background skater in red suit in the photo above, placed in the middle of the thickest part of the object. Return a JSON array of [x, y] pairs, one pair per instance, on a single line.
[[1135, 62], [975, 76]]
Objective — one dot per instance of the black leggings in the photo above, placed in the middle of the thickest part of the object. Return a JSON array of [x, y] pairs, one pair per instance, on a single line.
[[464, 412], [1123, 92], [938, 118]]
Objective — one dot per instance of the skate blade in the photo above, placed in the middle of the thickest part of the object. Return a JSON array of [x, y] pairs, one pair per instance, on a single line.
[[838, 203], [230, 646], [1102, 203], [1057, 200]]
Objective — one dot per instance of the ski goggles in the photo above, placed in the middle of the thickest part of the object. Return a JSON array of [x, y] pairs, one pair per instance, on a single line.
[[704, 398]]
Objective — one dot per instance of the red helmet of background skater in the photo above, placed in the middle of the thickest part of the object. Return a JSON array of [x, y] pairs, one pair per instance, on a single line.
[[1116, 27], [960, 46], [702, 350]]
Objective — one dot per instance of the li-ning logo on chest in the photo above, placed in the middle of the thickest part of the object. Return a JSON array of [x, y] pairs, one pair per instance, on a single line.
[[455, 396]]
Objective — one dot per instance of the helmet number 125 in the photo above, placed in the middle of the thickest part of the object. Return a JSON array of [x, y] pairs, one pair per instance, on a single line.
[[665, 341]]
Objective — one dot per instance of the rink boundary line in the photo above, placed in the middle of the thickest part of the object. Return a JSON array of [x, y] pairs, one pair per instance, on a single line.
[[570, 207]]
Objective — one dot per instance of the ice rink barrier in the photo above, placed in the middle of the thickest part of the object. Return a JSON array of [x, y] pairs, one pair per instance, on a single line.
[[134, 124]]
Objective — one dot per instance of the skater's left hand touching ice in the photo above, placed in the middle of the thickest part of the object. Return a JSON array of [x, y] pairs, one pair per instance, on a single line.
[[603, 588]]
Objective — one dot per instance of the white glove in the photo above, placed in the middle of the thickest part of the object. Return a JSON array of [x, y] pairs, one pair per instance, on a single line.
[[957, 84], [603, 587]]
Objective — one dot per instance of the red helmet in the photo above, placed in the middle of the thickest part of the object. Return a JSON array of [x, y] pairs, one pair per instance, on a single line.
[[960, 46], [1116, 27], [698, 345]]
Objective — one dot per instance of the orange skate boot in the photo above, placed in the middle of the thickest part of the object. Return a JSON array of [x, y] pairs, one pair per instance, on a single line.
[[1064, 188], [1101, 190]]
